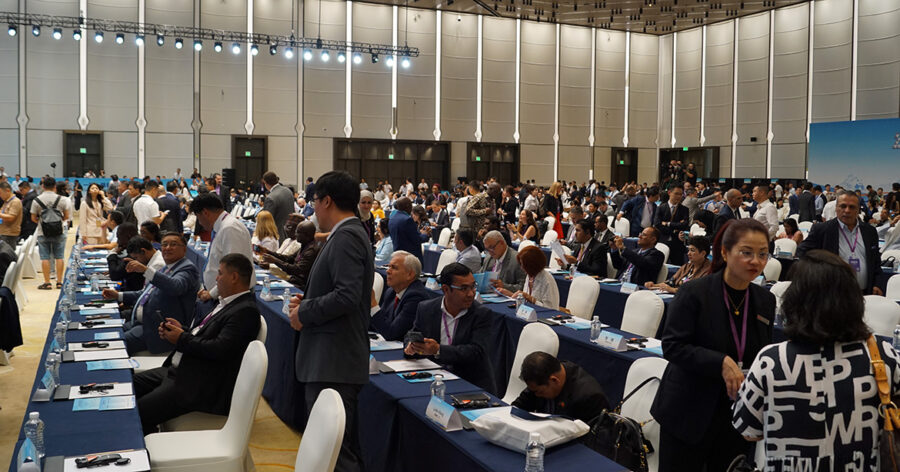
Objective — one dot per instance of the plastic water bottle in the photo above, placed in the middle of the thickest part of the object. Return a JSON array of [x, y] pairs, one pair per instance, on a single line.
[[59, 333], [266, 291], [520, 300], [572, 270], [596, 327], [95, 283], [534, 454], [34, 430], [65, 308], [52, 366], [438, 387], [897, 338], [286, 302]]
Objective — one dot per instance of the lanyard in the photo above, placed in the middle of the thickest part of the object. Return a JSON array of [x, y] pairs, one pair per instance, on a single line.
[[855, 238], [742, 343], [444, 316]]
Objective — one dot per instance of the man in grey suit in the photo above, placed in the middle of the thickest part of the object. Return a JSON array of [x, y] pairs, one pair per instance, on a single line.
[[502, 260], [332, 317], [279, 202], [807, 204]]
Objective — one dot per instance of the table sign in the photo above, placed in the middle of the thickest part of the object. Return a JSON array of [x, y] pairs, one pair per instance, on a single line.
[[628, 287], [443, 414], [611, 340], [526, 313]]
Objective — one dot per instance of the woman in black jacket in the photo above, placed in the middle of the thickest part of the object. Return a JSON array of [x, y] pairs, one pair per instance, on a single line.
[[716, 325]]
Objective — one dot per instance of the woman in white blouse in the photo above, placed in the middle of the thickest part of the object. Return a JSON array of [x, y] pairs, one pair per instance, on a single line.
[[540, 287], [266, 234]]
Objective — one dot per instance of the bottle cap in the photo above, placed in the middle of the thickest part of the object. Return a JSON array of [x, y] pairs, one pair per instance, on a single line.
[[534, 437], [34, 415]]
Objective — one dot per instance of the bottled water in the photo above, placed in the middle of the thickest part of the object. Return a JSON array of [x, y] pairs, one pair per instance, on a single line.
[[520, 300], [534, 454], [596, 327], [52, 366], [65, 308], [34, 430], [572, 270], [285, 305], [438, 387], [95, 283], [897, 338], [266, 291], [59, 333]]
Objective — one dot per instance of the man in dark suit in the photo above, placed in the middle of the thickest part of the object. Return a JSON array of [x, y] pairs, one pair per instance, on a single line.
[[641, 266], [332, 316], [588, 254], [640, 210], [200, 373], [855, 241], [170, 291], [601, 230], [214, 184], [806, 204], [794, 201], [457, 330], [576, 214], [310, 191], [560, 388], [439, 217], [671, 219], [502, 259], [397, 312], [168, 203], [733, 199], [279, 202], [27, 196], [403, 229]]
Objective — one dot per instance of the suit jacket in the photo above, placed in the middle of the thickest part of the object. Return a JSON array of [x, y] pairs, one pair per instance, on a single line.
[[594, 260], [827, 236], [405, 234], [581, 397], [280, 203], [511, 274], [806, 206], [725, 214], [333, 346], [211, 359], [441, 218], [634, 211], [793, 203], [646, 266], [393, 322], [173, 220], [174, 296], [131, 280], [298, 269], [677, 223], [467, 357], [696, 337], [606, 238]]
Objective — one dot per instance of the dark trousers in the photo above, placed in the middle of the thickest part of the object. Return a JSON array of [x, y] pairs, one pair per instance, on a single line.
[[350, 457], [157, 397], [715, 451]]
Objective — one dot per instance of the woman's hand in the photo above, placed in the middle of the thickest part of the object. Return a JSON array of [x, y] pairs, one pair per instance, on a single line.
[[732, 376]]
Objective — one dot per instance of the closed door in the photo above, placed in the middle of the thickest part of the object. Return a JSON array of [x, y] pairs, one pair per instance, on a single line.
[[248, 159], [83, 152]]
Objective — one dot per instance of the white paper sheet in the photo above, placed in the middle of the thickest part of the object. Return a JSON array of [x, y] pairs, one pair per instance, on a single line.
[[140, 462], [118, 389], [105, 324], [112, 345], [406, 365], [100, 355]]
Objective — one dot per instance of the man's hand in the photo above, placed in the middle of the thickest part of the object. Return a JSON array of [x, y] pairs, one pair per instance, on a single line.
[[570, 259], [619, 243], [618, 217], [170, 330], [135, 266], [109, 294], [877, 291], [428, 348], [294, 306], [497, 283], [204, 295]]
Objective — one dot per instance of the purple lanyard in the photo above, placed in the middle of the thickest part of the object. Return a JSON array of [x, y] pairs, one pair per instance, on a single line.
[[855, 239], [447, 328], [742, 343]]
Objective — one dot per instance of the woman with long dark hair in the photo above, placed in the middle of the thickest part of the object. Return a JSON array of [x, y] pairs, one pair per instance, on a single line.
[[92, 215]]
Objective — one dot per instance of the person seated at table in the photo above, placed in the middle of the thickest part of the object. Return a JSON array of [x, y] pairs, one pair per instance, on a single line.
[[697, 266], [384, 248], [298, 268], [289, 247], [467, 253], [170, 291], [377, 211], [438, 215], [791, 231], [539, 287], [150, 231], [266, 234], [641, 266], [491, 223], [589, 255], [601, 230], [503, 260], [559, 388], [200, 373], [397, 312], [113, 220], [526, 229], [456, 328], [576, 214]]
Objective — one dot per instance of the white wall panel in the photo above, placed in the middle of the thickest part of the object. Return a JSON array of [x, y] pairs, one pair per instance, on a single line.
[[609, 115], [574, 162], [832, 57], [44, 148], [719, 82], [753, 81], [458, 84], [725, 161], [415, 86], [9, 150], [112, 72], [791, 64], [168, 75], [318, 154], [751, 160], [275, 77], [498, 114], [789, 161], [644, 81], [120, 154], [324, 108], [167, 152], [536, 162], [602, 163], [283, 158], [575, 88], [458, 160], [216, 153], [371, 82], [52, 75], [664, 120], [9, 78], [538, 89], [223, 76], [689, 52], [878, 69]]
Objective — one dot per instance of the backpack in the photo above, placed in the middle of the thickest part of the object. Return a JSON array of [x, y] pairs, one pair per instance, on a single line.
[[620, 438], [51, 219]]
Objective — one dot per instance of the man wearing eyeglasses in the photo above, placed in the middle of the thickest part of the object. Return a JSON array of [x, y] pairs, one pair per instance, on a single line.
[[641, 266], [456, 329]]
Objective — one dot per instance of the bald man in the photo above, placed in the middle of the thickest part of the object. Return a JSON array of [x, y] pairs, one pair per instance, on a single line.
[[733, 199]]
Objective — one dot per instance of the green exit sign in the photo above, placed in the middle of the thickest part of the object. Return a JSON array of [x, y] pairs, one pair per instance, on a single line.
[[684, 148], [391, 156], [83, 150], [478, 158], [246, 153], [621, 162]]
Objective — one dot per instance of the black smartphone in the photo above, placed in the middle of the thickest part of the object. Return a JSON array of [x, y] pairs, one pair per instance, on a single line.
[[255, 248], [415, 337]]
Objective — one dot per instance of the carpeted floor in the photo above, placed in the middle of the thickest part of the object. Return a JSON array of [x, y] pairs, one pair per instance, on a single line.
[[272, 444]]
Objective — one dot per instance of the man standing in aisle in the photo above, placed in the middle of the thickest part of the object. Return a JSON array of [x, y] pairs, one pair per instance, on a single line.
[[52, 242], [332, 317], [10, 214], [229, 236], [279, 202]]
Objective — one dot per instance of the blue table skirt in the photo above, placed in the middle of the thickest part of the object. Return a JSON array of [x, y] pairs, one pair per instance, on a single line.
[[610, 301]]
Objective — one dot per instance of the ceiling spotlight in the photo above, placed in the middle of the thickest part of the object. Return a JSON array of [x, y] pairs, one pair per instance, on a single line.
[[288, 52], [218, 46], [254, 49], [198, 45], [179, 43], [307, 55], [76, 35], [273, 49], [160, 40], [390, 61], [36, 30], [405, 62], [342, 58], [357, 58], [57, 33], [374, 58], [235, 48], [120, 38], [139, 40], [12, 30], [98, 36], [325, 56]]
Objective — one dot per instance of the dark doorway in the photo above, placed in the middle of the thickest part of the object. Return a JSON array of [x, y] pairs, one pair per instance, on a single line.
[[705, 160], [498, 160], [83, 152], [394, 161], [624, 162], [248, 159]]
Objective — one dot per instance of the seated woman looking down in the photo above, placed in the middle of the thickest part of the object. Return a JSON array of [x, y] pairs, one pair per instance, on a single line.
[[697, 266]]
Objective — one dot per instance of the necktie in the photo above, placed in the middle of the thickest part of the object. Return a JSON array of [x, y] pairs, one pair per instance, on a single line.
[[148, 290], [396, 302]]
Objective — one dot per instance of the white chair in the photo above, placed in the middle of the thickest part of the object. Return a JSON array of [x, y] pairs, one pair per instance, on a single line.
[[535, 337], [785, 245], [447, 256], [804, 226], [318, 452], [216, 450], [895, 253], [893, 288], [554, 264], [454, 225], [8, 278], [610, 268], [665, 250], [378, 286], [526, 243], [611, 221], [549, 237], [623, 227], [696, 230], [795, 216], [882, 315], [643, 312], [583, 295], [263, 330], [551, 221], [444, 238], [638, 406], [30, 270], [772, 271], [778, 291], [663, 274]]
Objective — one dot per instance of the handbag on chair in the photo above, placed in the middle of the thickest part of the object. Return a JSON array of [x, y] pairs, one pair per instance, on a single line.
[[889, 438], [620, 438]]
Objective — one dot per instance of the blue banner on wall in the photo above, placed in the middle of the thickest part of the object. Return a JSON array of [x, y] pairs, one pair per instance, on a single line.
[[854, 154]]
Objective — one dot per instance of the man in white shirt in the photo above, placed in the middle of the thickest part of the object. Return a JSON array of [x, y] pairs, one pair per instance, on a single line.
[[177, 174], [765, 210], [229, 236], [145, 207], [829, 211]]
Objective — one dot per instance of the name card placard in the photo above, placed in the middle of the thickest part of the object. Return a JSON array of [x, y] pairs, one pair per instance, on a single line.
[[526, 313], [443, 414], [611, 340], [628, 287]]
